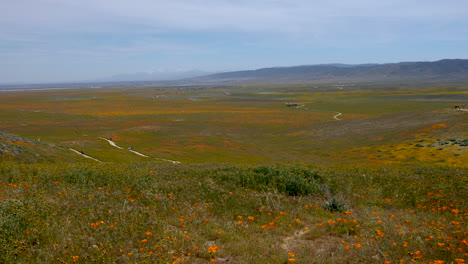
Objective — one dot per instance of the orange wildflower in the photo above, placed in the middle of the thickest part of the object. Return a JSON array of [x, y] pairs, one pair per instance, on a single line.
[[272, 225], [348, 212], [291, 260], [148, 233], [380, 233], [75, 258], [213, 249]]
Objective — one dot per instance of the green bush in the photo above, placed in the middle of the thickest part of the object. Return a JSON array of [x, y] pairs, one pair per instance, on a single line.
[[295, 180], [335, 205]]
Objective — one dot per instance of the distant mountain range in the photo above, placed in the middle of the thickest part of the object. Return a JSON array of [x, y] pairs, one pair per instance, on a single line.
[[447, 71], [443, 70], [159, 75]]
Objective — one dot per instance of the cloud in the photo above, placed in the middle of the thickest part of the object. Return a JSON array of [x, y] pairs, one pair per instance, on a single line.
[[221, 33], [226, 15]]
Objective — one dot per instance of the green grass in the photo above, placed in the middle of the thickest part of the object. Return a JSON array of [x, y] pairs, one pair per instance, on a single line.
[[258, 182], [228, 124], [152, 213]]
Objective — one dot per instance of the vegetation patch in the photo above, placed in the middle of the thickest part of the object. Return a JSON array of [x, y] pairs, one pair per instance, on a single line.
[[289, 180], [258, 182]]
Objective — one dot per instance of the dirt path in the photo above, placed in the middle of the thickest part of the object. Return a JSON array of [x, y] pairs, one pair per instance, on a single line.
[[86, 156], [337, 115], [139, 154], [290, 241], [112, 143]]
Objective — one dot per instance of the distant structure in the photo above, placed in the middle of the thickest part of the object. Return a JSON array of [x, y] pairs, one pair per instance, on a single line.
[[294, 105]]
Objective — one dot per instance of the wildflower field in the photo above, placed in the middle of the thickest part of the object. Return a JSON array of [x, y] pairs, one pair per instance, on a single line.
[[234, 175]]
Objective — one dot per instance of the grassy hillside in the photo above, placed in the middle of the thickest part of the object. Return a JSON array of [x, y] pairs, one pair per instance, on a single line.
[[153, 213], [254, 174]]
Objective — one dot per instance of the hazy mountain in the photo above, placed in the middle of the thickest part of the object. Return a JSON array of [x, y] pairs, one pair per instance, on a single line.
[[159, 75], [443, 70]]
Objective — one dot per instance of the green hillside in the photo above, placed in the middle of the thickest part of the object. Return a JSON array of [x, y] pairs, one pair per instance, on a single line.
[[251, 174]]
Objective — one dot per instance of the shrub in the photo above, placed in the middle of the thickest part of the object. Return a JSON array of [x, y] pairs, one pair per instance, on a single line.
[[335, 205], [292, 181]]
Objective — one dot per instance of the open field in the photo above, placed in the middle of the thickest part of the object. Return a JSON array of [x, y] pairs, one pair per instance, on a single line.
[[244, 124], [267, 174], [153, 213]]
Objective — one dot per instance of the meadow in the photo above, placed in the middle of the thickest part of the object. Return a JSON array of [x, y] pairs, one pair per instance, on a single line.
[[242, 124], [251, 174]]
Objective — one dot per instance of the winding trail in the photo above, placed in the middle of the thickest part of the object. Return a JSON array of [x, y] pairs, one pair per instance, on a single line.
[[112, 143], [86, 156], [139, 154], [337, 115]]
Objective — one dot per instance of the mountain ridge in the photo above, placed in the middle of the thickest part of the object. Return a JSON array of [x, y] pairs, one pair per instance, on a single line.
[[446, 69]]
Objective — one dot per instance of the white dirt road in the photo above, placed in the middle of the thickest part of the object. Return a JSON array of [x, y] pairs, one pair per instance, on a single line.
[[337, 115], [84, 155], [112, 143]]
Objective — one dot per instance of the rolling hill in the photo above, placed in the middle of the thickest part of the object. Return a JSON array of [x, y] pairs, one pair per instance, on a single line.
[[447, 70]]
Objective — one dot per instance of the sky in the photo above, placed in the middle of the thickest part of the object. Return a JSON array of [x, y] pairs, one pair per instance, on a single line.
[[79, 40]]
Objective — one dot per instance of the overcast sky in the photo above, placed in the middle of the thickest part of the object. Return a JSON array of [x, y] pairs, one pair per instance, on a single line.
[[74, 40]]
